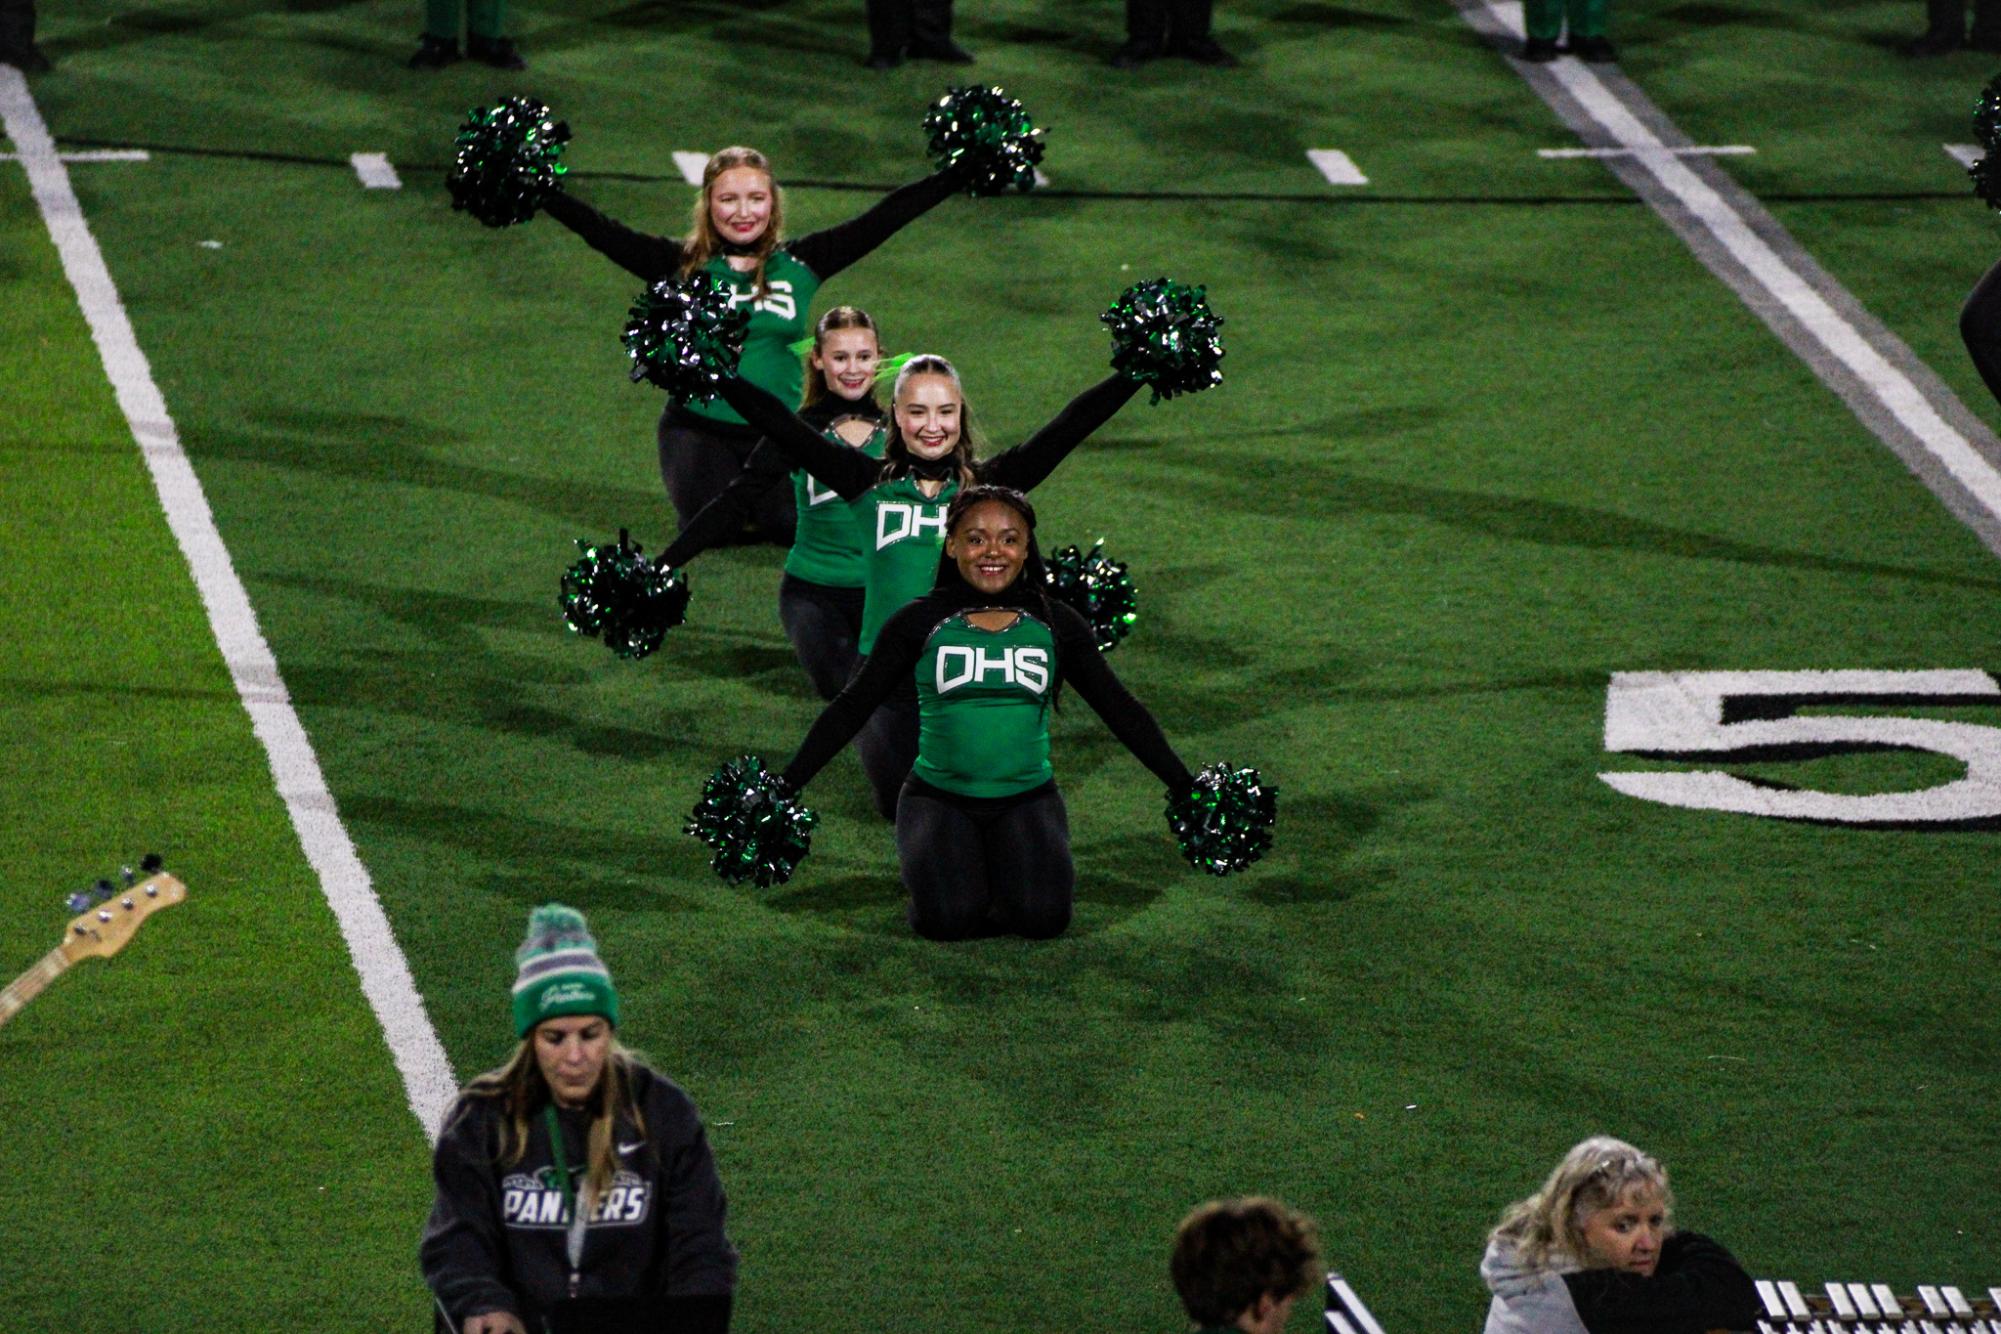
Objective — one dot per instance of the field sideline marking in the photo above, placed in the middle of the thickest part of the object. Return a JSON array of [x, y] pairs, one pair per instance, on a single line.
[[1692, 150], [385, 974], [376, 171], [1336, 166], [1888, 388], [1964, 154]]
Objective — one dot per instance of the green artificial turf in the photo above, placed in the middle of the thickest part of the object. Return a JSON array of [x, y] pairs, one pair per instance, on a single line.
[[1474, 454]]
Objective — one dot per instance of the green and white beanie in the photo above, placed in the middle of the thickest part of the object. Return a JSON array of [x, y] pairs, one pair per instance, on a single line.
[[558, 971]]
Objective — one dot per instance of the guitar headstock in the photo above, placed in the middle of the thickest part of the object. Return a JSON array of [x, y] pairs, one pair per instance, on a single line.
[[110, 916]]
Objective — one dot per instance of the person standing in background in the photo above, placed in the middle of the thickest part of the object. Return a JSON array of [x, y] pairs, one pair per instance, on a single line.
[[483, 43], [17, 38], [1156, 28], [1544, 20], [918, 29], [1945, 28]]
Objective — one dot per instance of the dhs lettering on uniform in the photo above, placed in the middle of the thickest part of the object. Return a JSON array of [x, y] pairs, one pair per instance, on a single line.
[[777, 300], [1027, 667], [817, 494], [896, 520]]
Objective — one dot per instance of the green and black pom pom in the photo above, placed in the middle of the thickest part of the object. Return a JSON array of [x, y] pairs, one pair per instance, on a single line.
[[686, 336], [1986, 172], [615, 594], [755, 826], [1164, 335], [1099, 588], [987, 135], [508, 160], [1223, 819]]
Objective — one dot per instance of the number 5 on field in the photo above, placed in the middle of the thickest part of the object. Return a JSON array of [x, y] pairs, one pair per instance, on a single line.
[[1683, 715]]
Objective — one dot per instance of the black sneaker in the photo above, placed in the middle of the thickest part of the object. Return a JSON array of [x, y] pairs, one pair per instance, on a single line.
[[498, 52], [27, 59], [1134, 54], [883, 60], [1933, 44], [1596, 50], [946, 52], [1206, 51], [1540, 50], [436, 53]]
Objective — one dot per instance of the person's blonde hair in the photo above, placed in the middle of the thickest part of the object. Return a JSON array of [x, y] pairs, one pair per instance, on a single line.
[[522, 1093], [840, 317], [896, 458], [1547, 1228], [703, 244]]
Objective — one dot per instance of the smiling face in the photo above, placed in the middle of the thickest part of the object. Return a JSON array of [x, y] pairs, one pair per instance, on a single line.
[[846, 359], [989, 544], [740, 204], [571, 1052], [1627, 1235], [928, 409]]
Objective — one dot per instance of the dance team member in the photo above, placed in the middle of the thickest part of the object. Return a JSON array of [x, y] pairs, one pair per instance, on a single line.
[[1593, 1252], [1980, 326], [820, 595], [736, 236], [901, 502], [576, 1190], [981, 833], [1242, 1264]]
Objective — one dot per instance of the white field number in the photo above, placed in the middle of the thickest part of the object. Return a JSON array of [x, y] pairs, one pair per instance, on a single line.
[[1681, 715]]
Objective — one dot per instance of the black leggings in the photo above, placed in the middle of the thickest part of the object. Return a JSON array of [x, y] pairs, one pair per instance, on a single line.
[[823, 623], [887, 745], [698, 460], [982, 868]]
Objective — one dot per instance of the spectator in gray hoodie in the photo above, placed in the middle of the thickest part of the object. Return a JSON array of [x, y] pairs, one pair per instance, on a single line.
[[1593, 1252]]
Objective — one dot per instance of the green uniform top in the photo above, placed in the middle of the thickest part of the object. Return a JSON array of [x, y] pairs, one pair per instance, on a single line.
[[777, 321], [983, 707], [826, 545], [902, 532]]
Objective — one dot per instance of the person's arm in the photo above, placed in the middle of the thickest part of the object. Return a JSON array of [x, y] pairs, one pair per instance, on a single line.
[[722, 518], [463, 1253], [1026, 465], [848, 471], [1980, 326], [828, 252], [898, 645], [1085, 669], [1697, 1286], [647, 257]]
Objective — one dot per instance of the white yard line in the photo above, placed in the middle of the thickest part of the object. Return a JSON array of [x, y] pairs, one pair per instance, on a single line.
[[1693, 150], [375, 171], [94, 155], [1837, 339], [385, 974], [1336, 166], [691, 165]]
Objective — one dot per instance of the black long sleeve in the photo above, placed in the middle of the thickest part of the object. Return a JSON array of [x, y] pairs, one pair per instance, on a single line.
[[724, 517], [1696, 1286], [1026, 465], [464, 1254], [898, 645], [648, 257], [1980, 326], [1086, 669], [848, 471], [829, 251]]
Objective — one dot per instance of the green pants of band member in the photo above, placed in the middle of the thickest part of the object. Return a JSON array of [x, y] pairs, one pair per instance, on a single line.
[[441, 18], [1545, 17]]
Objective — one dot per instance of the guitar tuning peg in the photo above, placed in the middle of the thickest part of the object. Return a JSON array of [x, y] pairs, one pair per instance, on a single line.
[[150, 864], [80, 902], [100, 891]]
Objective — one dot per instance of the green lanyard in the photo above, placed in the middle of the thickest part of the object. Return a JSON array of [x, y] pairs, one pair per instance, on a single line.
[[577, 1221]]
